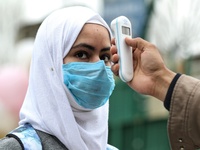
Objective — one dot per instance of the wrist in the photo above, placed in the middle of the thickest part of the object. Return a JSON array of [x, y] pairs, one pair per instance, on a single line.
[[162, 83]]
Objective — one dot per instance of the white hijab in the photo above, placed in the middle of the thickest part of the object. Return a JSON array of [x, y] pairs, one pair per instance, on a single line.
[[47, 103]]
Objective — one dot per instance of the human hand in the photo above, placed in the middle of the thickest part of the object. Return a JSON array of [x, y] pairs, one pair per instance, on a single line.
[[151, 76]]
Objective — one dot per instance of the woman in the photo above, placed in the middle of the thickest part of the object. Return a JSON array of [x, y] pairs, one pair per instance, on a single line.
[[70, 83]]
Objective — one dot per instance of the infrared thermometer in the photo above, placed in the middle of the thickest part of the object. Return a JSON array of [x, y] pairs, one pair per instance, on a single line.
[[121, 28]]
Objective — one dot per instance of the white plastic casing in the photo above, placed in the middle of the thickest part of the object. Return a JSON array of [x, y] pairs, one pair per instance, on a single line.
[[121, 28]]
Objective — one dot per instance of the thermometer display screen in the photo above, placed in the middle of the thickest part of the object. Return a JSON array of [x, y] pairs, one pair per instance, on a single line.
[[126, 30]]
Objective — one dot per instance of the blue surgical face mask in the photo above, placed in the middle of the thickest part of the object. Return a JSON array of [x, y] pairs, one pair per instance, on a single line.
[[91, 84]]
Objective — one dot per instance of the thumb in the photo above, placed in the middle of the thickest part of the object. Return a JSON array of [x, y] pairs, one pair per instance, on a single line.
[[138, 43]]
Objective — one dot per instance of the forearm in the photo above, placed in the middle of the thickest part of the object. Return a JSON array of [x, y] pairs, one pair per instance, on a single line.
[[162, 83]]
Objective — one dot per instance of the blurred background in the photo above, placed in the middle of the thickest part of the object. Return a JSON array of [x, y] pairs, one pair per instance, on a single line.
[[136, 122]]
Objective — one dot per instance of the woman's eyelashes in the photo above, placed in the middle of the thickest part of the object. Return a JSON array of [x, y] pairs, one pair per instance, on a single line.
[[106, 58], [84, 55]]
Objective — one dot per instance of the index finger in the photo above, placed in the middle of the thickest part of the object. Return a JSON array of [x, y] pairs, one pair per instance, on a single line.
[[113, 41]]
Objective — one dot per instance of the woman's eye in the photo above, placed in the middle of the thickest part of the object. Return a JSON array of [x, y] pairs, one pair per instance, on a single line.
[[82, 55], [106, 58]]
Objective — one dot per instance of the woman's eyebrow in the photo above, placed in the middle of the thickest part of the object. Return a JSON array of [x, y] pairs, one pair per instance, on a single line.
[[90, 47], [84, 45], [105, 49]]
